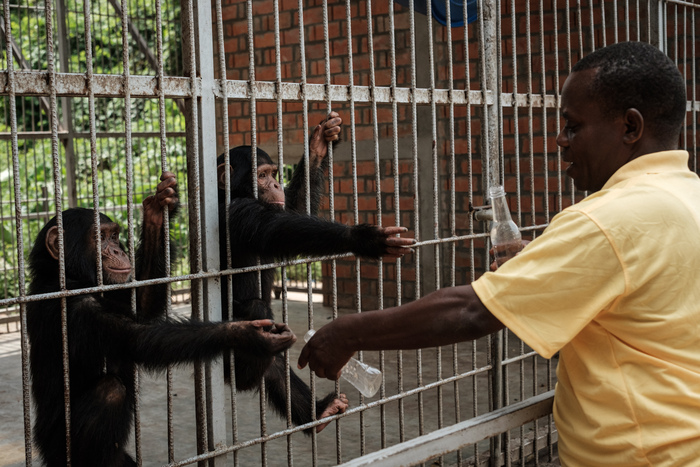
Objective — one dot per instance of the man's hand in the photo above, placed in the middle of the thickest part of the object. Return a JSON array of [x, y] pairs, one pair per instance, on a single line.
[[166, 197], [326, 132], [494, 265], [326, 353]]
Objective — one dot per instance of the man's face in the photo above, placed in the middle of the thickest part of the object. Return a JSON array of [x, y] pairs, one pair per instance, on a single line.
[[592, 141]]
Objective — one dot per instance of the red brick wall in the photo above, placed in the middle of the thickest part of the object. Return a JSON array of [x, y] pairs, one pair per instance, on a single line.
[[539, 189]]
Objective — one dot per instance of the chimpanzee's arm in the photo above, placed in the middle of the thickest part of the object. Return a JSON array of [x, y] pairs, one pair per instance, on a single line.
[[150, 254], [295, 193], [260, 229], [328, 131], [168, 342]]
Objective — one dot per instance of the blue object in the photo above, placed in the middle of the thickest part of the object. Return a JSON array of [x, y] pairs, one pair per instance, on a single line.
[[440, 10]]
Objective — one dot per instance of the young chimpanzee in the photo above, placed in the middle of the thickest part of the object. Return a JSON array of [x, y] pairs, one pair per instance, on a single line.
[[276, 226], [106, 339]]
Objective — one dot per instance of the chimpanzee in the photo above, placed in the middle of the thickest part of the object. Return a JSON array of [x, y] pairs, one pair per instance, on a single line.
[[106, 339], [276, 226]]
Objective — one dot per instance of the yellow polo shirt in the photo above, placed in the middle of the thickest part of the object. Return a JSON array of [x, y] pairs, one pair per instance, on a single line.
[[613, 283]]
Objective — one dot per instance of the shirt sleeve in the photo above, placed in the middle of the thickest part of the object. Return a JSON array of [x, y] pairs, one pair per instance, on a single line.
[[557, 285]]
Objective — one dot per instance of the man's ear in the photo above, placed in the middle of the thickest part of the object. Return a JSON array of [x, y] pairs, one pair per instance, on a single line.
[[52, 242], [634, 126], [221, 175]]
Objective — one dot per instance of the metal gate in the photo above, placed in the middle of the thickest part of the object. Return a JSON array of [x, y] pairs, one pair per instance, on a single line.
[[432, 115]]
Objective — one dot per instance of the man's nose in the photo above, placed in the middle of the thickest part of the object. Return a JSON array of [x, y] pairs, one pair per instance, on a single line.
[[563, 138]]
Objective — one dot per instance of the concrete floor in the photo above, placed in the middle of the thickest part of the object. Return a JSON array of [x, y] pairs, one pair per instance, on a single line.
[[420, 412]]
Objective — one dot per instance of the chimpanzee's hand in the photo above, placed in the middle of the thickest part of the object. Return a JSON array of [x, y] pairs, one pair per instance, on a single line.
[[396, 247], [262, 334], [166, 196], [327, 131], [370, 241]]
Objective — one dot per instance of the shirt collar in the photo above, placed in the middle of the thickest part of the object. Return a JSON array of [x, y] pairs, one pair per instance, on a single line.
[[656, 162]]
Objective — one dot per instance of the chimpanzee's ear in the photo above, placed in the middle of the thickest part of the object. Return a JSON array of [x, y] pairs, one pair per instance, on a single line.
[[52, 242], [221, 175]]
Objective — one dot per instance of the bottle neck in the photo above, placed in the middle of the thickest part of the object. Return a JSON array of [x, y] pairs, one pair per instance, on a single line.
[[501, 211]]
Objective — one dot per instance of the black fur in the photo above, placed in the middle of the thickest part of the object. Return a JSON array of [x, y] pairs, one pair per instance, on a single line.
[[258, 229], [105, 342]]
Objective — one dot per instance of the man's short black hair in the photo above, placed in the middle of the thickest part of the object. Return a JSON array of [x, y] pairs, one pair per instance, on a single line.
[[638, 75]]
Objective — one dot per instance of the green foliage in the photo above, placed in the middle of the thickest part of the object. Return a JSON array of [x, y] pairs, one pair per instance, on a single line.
[[35, 162]]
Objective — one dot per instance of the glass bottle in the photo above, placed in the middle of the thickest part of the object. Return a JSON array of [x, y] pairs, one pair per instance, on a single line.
[[505, 235]]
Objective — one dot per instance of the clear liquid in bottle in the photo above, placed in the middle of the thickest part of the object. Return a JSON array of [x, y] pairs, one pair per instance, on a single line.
[[505, 235]]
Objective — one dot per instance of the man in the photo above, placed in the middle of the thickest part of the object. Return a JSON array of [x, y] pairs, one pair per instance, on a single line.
[[612, 283]]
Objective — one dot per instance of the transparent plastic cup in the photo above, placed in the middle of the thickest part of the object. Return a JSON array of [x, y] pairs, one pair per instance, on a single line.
[[365, 378]]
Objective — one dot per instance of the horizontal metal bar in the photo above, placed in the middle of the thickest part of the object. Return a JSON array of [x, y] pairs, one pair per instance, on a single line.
[[520, 358], [35, 83], [24, 135], [462, 434], [266, 90], [349, 412], [681, 2]]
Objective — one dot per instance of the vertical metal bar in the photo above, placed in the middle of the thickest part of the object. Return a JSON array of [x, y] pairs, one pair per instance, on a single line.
[[17, 191], [227, 195], [639, 23], [208, 212], [129, 182], [166, 215], [305, 124], [58, 199], [66, 105], [252, 102], [516, 132], [416, 199], [591, 24], [356, 215], [516, 138], [470, 178], [280, 152], [377, 181], [694, 92], [489, 48], [194, 195], [663, 14], [452, 208], [676, 26], [649, 19], [436, 201], [603, 26], [579, 17], [615, 22], [397, 205], [543, 91], [685, 67], [331, 206]]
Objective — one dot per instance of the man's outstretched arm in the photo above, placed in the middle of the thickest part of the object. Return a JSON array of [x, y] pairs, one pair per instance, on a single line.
[[446, 316]]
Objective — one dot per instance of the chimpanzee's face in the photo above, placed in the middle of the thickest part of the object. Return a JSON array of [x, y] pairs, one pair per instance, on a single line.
[[269, 189], [116, 267]]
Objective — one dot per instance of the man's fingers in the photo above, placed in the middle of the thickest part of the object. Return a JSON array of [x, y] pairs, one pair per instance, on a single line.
[[303, 358]]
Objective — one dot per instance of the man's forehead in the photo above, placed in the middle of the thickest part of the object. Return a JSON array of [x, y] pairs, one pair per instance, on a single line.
[[574, 93]]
